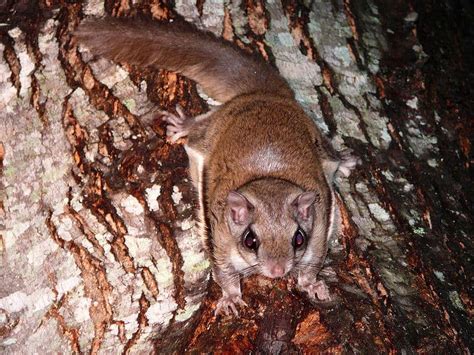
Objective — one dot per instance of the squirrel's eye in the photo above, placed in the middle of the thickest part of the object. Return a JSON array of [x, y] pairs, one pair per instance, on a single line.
[[298, 238], [250, 240]]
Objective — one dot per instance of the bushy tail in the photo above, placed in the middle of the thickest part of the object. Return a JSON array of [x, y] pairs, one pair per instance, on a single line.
[[222, 70]]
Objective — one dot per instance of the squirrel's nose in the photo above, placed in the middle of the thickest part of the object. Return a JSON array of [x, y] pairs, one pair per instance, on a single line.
[[277, 270]]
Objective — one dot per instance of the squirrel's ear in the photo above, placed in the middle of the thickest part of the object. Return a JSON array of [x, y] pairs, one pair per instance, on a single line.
[[239, 207], [303, 204]]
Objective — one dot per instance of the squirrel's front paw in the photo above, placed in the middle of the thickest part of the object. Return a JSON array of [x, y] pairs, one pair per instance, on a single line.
[[316, 290], [178, 125], [228, 303]]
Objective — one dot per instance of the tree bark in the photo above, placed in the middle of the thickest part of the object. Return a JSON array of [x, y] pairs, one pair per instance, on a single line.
[[98, 245]]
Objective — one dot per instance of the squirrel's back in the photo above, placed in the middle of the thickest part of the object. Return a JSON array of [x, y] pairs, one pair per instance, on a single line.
[[256, 136]]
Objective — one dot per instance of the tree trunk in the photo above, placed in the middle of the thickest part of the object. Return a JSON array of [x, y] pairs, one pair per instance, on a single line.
[[98, 245]]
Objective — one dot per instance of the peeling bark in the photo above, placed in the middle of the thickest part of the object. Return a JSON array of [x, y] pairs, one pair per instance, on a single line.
[[99, 251]]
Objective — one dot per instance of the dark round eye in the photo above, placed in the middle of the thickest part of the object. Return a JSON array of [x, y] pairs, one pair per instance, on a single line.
[[298, 238], [250, 240]]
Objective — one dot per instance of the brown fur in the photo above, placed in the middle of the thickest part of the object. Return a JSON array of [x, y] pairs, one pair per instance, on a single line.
[[259, 148], [255, 137], [182, 48]]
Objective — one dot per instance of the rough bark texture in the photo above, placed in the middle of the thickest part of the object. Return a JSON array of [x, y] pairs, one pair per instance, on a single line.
[[98, 250]]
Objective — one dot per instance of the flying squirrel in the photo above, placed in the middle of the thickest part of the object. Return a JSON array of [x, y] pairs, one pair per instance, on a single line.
[[262, 169]]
